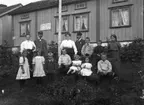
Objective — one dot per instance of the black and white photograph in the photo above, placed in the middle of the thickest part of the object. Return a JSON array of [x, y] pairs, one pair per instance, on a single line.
[[71, 52]]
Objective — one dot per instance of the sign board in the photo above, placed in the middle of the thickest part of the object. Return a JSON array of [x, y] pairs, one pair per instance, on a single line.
[[46, 26], [25, 16]]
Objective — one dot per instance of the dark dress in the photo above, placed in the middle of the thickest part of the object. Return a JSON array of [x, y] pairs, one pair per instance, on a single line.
[[42, 46], [114, 56], [79, 45], [95, 58], [51, 67]]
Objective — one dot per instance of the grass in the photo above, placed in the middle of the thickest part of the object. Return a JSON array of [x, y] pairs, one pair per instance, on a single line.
[[35, 95]]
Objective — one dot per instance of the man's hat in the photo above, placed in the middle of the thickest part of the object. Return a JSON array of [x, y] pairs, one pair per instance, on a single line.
[[40, 32], [79, 34]]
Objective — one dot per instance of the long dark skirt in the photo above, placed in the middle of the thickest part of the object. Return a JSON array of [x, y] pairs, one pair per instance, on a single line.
[[70, 52], [115, 60], [30, 57]]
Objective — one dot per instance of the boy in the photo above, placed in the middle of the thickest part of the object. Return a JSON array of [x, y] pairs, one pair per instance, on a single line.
[[64, 62], [104, 67], [87, 49]]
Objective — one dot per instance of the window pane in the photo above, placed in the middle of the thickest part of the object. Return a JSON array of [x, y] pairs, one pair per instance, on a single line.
[[77, 23]]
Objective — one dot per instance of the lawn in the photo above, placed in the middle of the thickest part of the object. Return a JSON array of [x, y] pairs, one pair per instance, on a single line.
[[65, 92]]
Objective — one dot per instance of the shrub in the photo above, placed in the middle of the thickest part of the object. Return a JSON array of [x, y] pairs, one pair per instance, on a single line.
[[132, 52]]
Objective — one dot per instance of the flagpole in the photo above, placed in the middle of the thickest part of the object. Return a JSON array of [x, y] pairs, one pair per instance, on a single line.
[[59, 27]]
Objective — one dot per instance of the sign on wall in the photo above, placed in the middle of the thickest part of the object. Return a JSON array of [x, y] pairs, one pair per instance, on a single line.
[[46, 26]]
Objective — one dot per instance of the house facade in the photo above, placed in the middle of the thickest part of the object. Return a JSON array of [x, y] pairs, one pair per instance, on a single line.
[[6, 23], [97, 19]]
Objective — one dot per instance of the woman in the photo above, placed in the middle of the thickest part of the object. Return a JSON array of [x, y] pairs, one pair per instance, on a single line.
[[114, 53], [30, 47], [69, 45]]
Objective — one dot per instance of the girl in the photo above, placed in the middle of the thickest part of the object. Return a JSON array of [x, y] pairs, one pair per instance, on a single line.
[[114, 53], [23, 72], [76, 65], [86, 68], [38, 66], [87, 73]]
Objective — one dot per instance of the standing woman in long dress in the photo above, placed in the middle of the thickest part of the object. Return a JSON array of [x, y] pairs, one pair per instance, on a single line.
[[114, 53], [69, 45]]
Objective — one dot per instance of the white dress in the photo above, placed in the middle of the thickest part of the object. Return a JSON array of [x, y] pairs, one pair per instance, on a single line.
[[76, 66], [86, 69], [26, 75], [39, 61]]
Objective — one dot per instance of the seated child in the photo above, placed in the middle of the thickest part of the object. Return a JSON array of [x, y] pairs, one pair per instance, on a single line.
[[87, 73], [86, 68], [64, 62], [76, 65], [104, 66]]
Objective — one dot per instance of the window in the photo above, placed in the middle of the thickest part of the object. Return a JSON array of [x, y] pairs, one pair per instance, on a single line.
[[81, 22], [118, 1], [120, 17], [24, 28], [80, 5], [65, 24]]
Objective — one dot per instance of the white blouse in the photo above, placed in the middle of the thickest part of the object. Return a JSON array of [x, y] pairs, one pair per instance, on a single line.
[[27, 45], [68, 44]]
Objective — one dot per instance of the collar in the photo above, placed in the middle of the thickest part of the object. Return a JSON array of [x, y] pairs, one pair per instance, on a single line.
[[103, 61], [39, 39], [80, 39]]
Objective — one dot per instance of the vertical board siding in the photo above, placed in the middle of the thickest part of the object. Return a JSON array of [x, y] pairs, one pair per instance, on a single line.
[[1, 28], [16, 24], [136, 30]]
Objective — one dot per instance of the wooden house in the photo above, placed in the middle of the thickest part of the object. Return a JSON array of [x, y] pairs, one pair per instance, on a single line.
[[6, 23], [97, 19]]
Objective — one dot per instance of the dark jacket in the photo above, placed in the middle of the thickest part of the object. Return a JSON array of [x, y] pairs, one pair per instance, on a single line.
[[42, 46], [79, 45]]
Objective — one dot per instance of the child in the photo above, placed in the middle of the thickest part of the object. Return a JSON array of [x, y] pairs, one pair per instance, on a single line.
[[38, 66], [87, 73], [64, 62], [96, 56], [24, 71], [104, 67], [76, 65], [86, 68], [50, 66]]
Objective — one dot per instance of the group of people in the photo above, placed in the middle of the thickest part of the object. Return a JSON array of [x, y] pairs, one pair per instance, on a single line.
[[78, 59]]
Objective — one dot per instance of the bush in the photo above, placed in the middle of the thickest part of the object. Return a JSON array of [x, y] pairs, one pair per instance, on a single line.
[[132, 52]]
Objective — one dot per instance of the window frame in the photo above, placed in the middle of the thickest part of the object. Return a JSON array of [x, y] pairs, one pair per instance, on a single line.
[[121, 7], [26, 22], [80, 14], [56, 26]]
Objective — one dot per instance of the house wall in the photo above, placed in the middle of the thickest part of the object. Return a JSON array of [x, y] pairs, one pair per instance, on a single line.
[[16, 27], [129, 33], [0, 31], [48, 16], [99, 22], [6, 29]]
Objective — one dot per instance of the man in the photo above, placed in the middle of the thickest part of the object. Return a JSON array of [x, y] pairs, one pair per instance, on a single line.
[[69, 45], [79, 43], [41, 44], [30, 47], [87, 49]]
